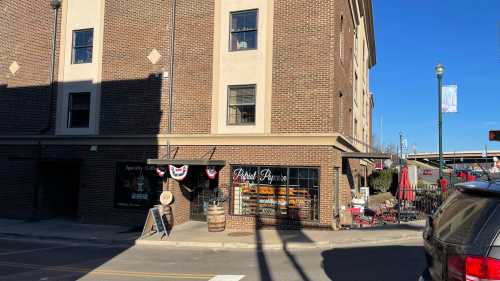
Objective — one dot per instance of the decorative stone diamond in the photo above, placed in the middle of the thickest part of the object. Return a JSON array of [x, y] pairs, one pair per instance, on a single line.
[[154, 57], [14, 67]]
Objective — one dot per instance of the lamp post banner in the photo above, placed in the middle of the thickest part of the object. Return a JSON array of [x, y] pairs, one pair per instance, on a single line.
[[449, 98]]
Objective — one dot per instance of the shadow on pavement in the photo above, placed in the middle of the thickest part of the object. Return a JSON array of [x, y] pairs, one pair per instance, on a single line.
[[413, 227], [287, 236], [374, 263]]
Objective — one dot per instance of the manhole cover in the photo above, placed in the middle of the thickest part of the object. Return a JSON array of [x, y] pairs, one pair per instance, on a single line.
[[239, 234]]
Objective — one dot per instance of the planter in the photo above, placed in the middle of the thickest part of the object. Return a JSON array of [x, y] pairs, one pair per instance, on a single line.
[[216, 218]]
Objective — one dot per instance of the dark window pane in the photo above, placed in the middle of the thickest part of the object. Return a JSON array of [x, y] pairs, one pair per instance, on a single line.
[[79, 119], [244, 21], [243, 30], [137, 185], [79, 110], [82, 46], [82, 55], [83, 38]]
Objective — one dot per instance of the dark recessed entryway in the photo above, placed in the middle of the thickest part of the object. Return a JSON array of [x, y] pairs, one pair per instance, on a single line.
[[60, 182], [202, 190]]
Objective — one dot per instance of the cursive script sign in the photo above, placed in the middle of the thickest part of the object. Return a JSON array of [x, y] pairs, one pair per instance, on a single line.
[[264, 175]]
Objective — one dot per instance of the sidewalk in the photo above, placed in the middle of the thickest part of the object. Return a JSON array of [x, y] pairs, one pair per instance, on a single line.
[[195, 234], [68, 231]]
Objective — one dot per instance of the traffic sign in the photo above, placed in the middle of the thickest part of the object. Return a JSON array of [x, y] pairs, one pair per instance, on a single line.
[[494, 135]]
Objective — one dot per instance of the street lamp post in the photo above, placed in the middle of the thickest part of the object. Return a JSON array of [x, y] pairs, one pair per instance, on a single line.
[[439, 74]]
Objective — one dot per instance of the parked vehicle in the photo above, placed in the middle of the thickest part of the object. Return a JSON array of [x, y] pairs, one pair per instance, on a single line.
[[462, 238]]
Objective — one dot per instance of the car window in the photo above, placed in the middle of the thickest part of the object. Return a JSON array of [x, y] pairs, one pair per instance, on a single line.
[[460, 219]]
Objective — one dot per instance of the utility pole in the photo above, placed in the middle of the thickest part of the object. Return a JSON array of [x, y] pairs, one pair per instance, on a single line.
[[439, 73]]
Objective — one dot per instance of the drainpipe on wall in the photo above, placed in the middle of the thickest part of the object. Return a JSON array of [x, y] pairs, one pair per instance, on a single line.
[[171, 74], [171, 78], [55, 5]]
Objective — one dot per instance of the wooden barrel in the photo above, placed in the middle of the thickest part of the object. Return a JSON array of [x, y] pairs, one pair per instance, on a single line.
[[216, 218]]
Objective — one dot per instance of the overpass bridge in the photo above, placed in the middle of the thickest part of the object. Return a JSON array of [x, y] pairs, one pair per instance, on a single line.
[[456, 157]]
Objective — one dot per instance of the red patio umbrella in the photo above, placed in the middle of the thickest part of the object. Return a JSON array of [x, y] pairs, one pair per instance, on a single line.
[[405, 188]]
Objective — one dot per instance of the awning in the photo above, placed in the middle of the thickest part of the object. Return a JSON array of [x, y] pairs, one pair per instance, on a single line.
[[192, 162], [365, 155]]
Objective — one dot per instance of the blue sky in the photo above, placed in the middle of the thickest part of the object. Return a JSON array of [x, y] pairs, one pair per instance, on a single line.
[[411, 38]]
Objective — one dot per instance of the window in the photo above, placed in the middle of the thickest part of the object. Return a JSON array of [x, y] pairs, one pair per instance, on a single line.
[[276, 191], [243, 30], [82, 46], [137, 185], [341, 43], [355, 88], [355, 129], [241, 105], [78, 110]]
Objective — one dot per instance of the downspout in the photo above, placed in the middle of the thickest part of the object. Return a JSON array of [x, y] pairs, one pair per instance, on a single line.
[[55, 5], [171, 74], [171, 80]]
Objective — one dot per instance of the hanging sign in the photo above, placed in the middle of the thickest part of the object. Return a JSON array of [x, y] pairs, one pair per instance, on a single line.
[[449, 103], [211, 172], [178, 173], [166, 198]]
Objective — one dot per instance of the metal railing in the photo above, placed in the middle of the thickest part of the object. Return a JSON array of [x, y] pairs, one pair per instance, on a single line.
[[419, 202]]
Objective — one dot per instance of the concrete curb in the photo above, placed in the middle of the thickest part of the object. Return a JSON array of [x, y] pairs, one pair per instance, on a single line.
[[217, 245], [276, 246]]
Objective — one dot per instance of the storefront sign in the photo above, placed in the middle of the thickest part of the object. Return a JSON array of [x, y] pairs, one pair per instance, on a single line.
[[264, 175], [178, 173]]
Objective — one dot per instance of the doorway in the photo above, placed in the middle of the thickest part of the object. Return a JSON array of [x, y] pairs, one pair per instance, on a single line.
[[60, 182], [202, 191]]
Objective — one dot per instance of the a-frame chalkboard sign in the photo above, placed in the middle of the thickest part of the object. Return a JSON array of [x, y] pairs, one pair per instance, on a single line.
[[154, 223]]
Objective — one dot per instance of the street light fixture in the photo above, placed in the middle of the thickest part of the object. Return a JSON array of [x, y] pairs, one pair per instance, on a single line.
[[439, 73], [55, 4]]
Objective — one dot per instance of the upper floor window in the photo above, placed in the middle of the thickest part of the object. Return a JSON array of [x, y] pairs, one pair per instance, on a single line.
[[241, 105], [79, 110], [82, 46], [341, 39], [243, 30]]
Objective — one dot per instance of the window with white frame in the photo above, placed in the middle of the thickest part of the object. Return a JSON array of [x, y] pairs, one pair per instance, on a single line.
[[241, 105], [243, 30], [79, 110]]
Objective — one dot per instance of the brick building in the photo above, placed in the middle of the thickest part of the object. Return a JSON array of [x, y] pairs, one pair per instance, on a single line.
[[96, 95]]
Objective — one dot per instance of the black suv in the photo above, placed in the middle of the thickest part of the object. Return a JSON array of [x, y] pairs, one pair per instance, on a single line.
[[462, 239]]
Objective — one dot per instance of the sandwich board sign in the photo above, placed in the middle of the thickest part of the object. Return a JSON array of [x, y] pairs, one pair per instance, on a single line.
[[154, 223]]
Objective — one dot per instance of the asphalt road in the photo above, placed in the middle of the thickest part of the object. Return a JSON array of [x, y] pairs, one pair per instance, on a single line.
[[41, 261]]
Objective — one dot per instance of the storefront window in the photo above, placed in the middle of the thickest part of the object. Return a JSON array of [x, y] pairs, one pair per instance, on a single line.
[[278, 192], [137, 185]]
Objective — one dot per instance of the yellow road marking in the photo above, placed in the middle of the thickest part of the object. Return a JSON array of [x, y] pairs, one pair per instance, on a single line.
[[108, 272]]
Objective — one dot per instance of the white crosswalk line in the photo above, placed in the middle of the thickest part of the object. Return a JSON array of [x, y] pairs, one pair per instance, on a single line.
[[227, 278]]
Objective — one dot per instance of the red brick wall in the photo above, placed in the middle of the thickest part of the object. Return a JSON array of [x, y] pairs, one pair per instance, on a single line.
[[97, 177], [26, 37], [132, 96]]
